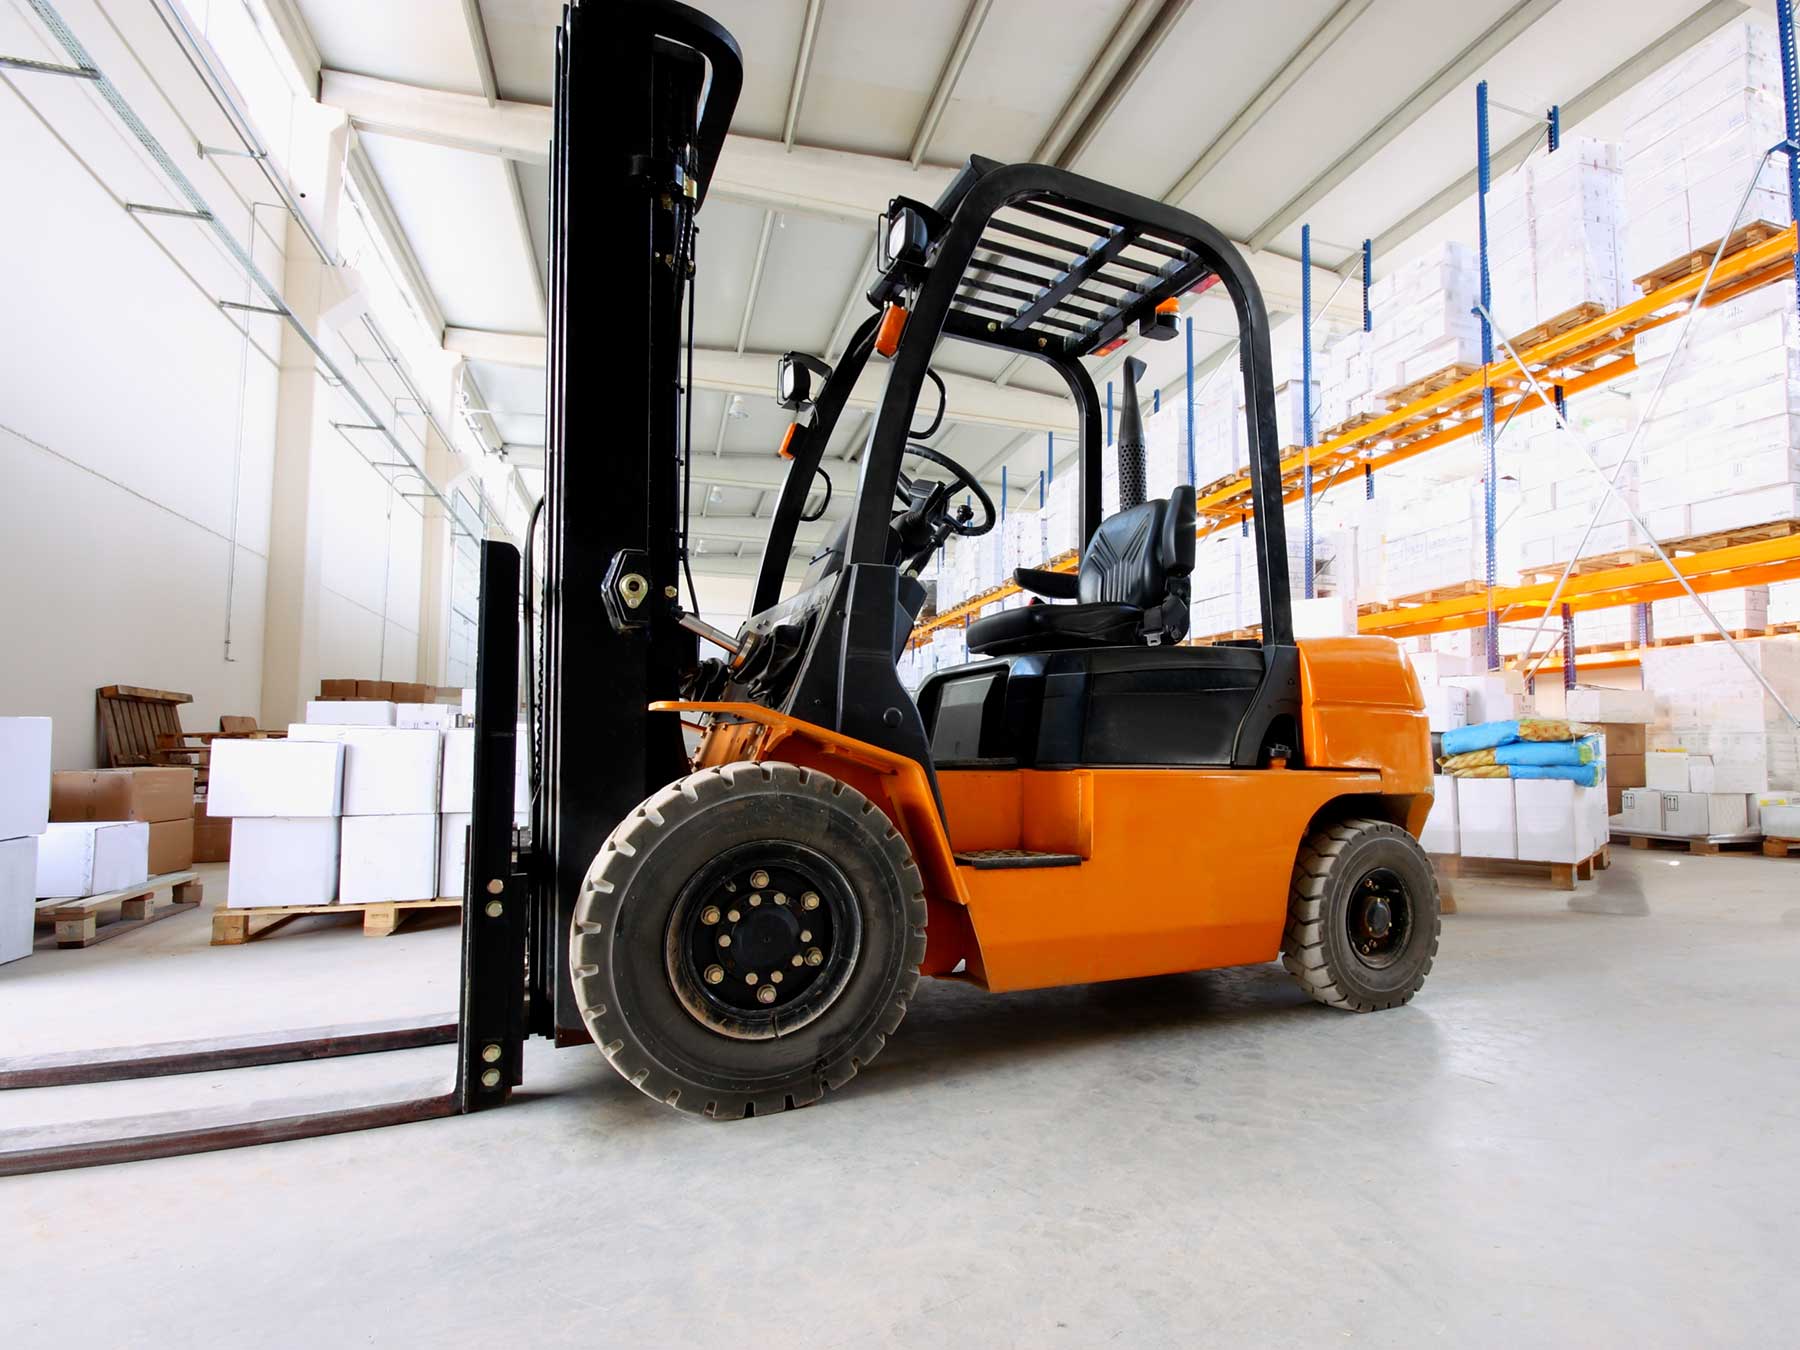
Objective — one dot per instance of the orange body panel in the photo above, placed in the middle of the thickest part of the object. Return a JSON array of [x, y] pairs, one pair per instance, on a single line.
[[1181, 869]]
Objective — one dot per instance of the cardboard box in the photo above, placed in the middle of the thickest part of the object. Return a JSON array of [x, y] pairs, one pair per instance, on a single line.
[[1593, 812], [388, 771], [171, 846], [24, 776], [468, 703], [212, 835], [453, 852], [1623, 738], [1780, 814], [1446, 707], [458, 790], [1487, 817], [1492, 698], [76, 858], [278, 860], [123, 794], [388, 858], [1549, 827], [1609, 705], [437, 716], [357, 713], [1441, 833], [1666, 770], [18, 896], [413, 693], [1714, 774], [337, 689], [376, 689], [1622, 772], [276, 778], [1697, 814]]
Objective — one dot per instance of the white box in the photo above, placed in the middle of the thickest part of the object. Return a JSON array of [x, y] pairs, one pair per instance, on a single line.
[[276, 778], [1640, 809], [350, 713], [1492, 697], [1610, 705], [282, 861], [1780, 814], [18, 896], [91, 857], [457, 793], [388, 858], [388, 771], [1590, 810], [1666, 770], [1487, 817], [1713, 774], [437, 716], [1446, 706], [1431, 667], [1549, 827], [1441, 833], [468, 703], [24, 776], [1324, 616], [453, 851], [1696, 814]]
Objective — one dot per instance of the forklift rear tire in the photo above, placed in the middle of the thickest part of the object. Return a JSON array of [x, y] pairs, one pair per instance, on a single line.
[[1363, 918], [747, 938]]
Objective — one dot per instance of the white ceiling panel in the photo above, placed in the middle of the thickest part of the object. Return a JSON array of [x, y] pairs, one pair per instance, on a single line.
[[422, 42], [521, 37], [456, 208], [768, 31], [874, 67], [811, 267], [724, 258]]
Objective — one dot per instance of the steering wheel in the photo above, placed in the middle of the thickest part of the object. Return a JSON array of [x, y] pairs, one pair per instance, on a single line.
[[932, 504]]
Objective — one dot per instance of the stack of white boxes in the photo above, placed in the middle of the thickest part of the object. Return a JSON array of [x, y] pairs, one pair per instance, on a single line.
[[1345, 388], [1695, 134], [1423, 319], [284, 800], [1709, 705], [389, 845], [1021, 540], [1554, 231], [24, 814], [365, 712], [1722, 448]]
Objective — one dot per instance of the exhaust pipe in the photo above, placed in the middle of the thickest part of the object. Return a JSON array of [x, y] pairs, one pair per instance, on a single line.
[[1131, 440]]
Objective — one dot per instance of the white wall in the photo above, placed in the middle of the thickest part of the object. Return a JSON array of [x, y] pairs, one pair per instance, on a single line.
[[129, 408]]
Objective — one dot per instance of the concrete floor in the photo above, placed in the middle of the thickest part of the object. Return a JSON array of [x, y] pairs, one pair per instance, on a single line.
[[1583, 1132]]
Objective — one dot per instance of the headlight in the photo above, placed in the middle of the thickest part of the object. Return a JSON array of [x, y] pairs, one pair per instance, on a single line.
[[795, 375], [903, 237]]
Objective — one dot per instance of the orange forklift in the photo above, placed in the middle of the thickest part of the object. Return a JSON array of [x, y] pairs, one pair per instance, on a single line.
[[1089, 798]]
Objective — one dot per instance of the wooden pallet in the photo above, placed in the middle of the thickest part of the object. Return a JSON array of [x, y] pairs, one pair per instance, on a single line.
[[1347, 426], [1780, 848], [77, 921], [1698, 260], [1699, 846], [234, 927], [1563, 876], [1424, 388], [1574, 317], [1675, 548]]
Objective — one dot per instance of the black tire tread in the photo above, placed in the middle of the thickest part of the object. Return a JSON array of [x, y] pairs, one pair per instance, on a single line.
[[1303, 949], [609, 878]]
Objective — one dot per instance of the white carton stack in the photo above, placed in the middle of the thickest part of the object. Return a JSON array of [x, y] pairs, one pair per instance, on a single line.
[[390, 810], [24, 815], [456, 801], [284, 799], [366, 712], [1739, 611], [1553, 235], [1021, 540], [1695, 135], [1423, 319], [1344, 385], [92, 857], [1709, 705], [1062, 514]]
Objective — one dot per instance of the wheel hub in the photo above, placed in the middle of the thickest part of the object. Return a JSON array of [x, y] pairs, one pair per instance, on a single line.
[[762, 939], [1379, 918]]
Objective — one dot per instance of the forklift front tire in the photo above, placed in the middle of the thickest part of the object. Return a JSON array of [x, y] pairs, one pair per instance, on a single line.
[[1363, 919], [747, 938]]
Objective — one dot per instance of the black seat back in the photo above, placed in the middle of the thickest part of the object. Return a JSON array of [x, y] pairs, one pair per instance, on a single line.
[[1142, 557]]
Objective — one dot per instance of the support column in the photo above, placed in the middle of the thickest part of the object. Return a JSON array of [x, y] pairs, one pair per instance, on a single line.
[[291, 617]]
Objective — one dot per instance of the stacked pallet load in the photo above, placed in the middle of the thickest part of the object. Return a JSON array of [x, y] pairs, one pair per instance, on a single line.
[[1554, 228], [24, 816], [1695, 135], [284, 800], [389, 841], [1622, 717]]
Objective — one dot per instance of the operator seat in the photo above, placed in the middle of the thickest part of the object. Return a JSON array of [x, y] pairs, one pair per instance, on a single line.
[[1131, 589]]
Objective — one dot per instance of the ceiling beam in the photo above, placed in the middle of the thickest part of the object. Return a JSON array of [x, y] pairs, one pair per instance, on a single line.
[[1284, 79], [1467, 63], [809, 31], [367, 184], [1095, 80], [1694, 29], [947, 78], [503, 349], [484, 57], [465, 121], [1162, 21]]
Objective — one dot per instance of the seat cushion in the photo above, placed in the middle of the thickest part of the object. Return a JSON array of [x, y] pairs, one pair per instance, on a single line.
[[1049, 627]]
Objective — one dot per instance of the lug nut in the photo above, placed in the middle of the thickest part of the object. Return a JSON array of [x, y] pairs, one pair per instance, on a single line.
[[710, 914], [780, 899], [750, 978], [759, 878], [724, 939], [766, 994], [775, 976], [733, 915], [814, 956], [799, 960], [809, 901], [755, 900], [715, 974], [806, 935]]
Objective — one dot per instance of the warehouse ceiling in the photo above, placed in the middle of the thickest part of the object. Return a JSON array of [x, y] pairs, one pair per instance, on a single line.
[[1356, 116]]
